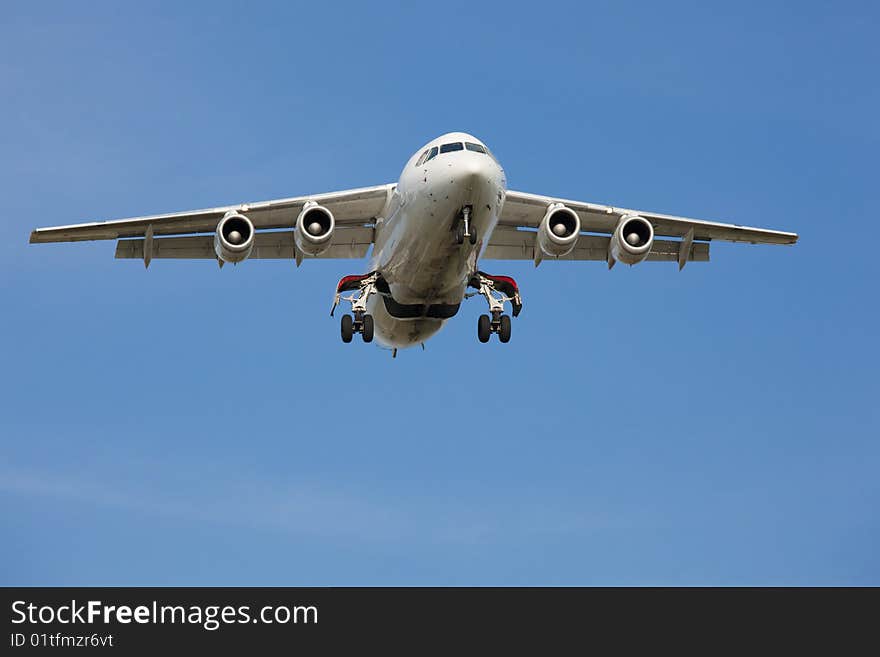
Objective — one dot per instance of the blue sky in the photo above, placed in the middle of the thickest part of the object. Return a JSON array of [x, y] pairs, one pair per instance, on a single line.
[[185, 425]]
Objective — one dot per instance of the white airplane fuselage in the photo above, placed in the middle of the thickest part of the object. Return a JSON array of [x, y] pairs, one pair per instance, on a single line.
[[415, 249]]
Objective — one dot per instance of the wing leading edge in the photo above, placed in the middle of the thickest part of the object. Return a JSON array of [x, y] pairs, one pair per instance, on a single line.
[[524, 210], [354, 207]]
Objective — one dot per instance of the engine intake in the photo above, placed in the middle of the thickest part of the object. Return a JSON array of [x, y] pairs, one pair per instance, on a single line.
[[234, 239], [632, 239], [558, 231], [314, 229]]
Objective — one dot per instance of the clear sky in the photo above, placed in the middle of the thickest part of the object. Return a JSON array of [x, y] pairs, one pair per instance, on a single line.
[[186, 425]]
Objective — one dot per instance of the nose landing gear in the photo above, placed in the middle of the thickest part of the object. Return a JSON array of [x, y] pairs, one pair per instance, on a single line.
[[359, 321], [463, 228], [497, 290]]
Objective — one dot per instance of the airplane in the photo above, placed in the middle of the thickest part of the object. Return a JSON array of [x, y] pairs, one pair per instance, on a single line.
[[449, 212]]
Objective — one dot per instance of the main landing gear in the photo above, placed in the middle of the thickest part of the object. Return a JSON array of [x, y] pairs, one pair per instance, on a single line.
[[497, 290], [463, 228], [359, 321]]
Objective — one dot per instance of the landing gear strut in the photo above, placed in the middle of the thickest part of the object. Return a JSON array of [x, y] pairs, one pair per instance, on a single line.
[[359, 321], [497, 290], [463, 228]]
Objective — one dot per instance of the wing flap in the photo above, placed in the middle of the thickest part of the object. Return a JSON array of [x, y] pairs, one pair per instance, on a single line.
[[348, 242], [511, 244]]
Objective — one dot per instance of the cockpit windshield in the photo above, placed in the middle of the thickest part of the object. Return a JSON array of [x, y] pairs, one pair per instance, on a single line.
[[431, 153], [448, 148]]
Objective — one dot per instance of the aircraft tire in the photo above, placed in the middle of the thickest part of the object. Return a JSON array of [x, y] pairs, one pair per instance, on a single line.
[[367, 330], [504, 329], [347, 328], [484, 330]]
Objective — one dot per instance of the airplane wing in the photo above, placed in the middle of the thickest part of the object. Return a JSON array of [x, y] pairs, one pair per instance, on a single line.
[[515, 239], [354, 211]]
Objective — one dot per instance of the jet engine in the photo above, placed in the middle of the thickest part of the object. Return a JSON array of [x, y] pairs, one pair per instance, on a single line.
[[632, 239], [314, 229], [234, 239], [558, 231]]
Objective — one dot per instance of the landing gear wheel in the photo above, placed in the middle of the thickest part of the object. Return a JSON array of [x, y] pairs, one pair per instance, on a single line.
[[473, 237], [459, 233], [484, 330], [504, 329], [347, 327], [367, 328]]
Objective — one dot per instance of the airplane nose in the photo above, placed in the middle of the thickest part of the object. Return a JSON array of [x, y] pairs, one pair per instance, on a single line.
[[474, 172], [472, 168]]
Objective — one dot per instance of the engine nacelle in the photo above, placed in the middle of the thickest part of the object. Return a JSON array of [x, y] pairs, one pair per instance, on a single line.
[[234, 239], [558, 231], [632, 239], [314, 229]]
